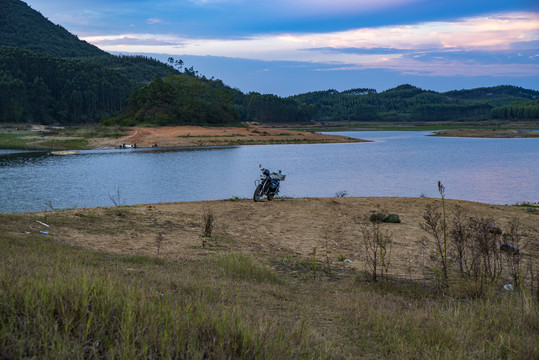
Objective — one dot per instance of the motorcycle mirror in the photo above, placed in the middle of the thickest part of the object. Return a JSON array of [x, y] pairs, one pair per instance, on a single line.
[[259, 165]]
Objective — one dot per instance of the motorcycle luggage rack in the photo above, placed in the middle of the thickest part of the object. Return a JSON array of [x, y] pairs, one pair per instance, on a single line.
[[276, 176]]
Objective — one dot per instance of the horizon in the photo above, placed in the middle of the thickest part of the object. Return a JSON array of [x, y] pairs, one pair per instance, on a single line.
[[289, 49]]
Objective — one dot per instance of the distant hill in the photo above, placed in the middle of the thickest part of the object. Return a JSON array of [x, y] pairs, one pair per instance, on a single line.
[[24, 28], [410, 103]]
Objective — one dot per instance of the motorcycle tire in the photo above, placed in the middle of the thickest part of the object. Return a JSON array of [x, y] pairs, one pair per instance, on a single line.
[[258, 193]]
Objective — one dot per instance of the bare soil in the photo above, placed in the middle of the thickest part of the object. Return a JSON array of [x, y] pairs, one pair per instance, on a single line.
[[174, 136], [282, 227]]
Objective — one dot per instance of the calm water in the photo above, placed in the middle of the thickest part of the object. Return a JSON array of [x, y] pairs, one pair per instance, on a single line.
[[497, 171]]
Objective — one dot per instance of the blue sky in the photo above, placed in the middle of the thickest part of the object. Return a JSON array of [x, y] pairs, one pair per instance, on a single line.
[[288, 47]]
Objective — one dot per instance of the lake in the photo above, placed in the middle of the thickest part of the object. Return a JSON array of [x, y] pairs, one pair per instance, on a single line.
[[395, 163]]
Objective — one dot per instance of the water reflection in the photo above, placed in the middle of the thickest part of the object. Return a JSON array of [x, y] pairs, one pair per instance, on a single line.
[[395, 164]]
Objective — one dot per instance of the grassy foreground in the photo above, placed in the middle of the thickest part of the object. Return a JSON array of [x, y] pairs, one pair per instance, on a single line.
[[61, 301]]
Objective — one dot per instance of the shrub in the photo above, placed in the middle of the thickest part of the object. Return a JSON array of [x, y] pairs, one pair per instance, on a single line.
[[392, 218], [376, 244]]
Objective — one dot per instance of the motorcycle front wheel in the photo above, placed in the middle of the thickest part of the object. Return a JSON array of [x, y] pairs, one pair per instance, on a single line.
[[258, 193]]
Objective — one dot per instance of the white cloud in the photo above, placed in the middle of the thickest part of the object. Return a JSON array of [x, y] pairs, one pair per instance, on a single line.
[[152, 21], [492, 33]]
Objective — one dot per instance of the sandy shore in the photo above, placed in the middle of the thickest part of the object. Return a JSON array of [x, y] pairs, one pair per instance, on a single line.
[[174, 136], [283, 227]]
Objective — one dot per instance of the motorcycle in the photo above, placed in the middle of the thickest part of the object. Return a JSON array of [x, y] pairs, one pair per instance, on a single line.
[[268, 184]]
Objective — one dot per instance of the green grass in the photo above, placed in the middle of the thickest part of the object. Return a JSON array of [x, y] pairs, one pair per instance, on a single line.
[[15, 138], [62, 302], [243, 267], [95, 131]]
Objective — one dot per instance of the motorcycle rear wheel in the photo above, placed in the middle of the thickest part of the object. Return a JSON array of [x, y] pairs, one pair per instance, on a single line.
[[258, 193]]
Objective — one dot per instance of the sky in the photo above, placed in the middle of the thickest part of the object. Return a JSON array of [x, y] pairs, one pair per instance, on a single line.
[[287, 47]]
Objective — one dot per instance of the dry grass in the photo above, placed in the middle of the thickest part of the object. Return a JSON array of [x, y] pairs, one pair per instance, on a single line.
[[245, 297]]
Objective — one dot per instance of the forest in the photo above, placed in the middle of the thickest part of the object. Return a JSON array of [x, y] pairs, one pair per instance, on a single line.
[[49, 76], [178, 100]]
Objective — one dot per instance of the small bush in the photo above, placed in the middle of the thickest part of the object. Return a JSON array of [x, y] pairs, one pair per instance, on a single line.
[[376, 244], [377, 217], [392, 218], [208, 223]]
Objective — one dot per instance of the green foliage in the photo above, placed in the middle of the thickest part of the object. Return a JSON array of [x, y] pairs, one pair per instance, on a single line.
[[392, 218], [517, 110], [25, 28], [40, 88], [267, 108], [409, 103], [48, 75], [178, 100]]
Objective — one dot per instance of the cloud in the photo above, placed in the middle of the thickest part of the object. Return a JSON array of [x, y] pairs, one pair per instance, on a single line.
[[137, 41], [152, 21], [447, 68], [496, 45], [348, 7]]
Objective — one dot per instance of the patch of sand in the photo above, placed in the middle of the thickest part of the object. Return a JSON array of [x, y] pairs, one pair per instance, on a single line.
[[283, 227], [173, 136]]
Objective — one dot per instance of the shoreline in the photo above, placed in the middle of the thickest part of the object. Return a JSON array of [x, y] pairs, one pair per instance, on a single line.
[[199, 136], [40, 137], [288, 226], [488, 133], [54, 138]]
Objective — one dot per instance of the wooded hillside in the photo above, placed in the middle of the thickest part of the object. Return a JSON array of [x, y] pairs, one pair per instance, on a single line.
[[48, 75]]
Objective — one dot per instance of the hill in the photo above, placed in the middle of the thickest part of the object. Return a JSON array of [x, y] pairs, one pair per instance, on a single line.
[[48, 75], [178, 100], [22, 27], [410, 103]]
